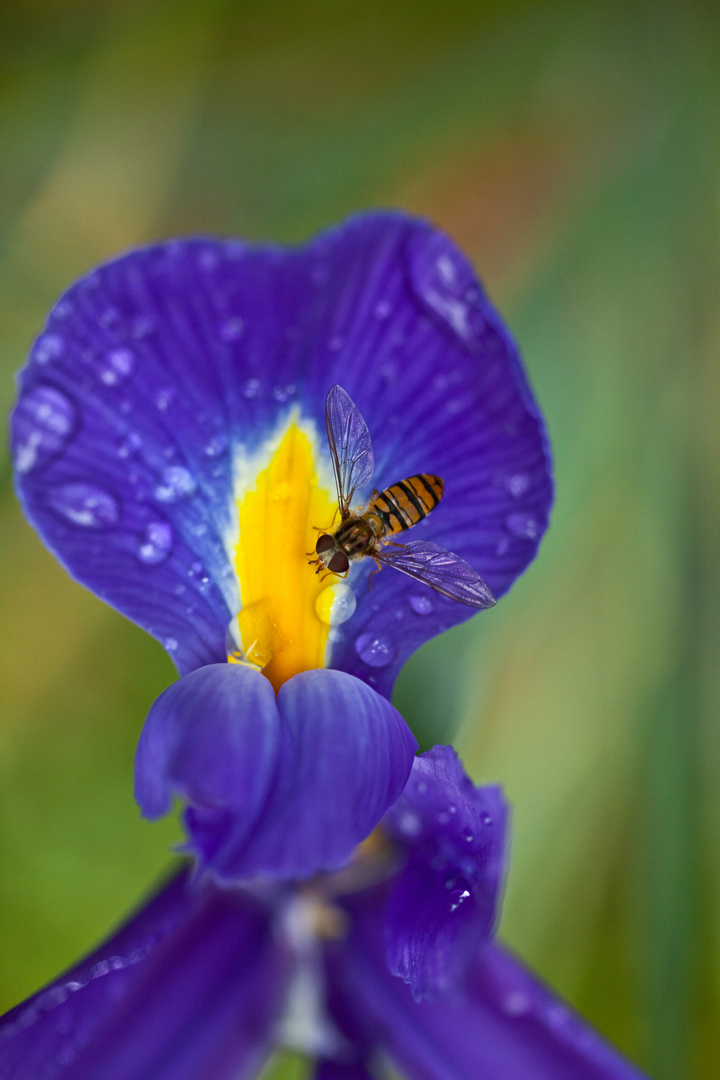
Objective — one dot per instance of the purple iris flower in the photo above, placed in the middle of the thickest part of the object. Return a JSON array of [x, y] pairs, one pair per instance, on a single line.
[[170, 447], [389, 959]]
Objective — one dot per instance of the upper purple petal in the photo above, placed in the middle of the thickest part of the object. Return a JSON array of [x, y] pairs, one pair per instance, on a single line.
[[443, 903], [190, 988], [508, 1026], [156, 367], [282, 787]]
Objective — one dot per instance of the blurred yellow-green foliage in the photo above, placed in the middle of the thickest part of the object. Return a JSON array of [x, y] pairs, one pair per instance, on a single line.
[[572, 149]]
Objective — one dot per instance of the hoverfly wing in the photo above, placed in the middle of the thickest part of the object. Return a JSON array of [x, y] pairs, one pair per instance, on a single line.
[[350, 446], [443, 571]]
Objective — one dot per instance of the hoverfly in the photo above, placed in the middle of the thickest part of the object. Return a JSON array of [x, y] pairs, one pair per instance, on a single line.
[[366, 532]]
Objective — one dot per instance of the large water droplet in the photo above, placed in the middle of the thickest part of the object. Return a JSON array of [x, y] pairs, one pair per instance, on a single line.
[[43, 424], [177, 483], [85, 505], [445, 283], [155, 543], [523, 525], [421, 604], [336, 604], [374, 649], [116, 366], [458, 897], [48, 348]]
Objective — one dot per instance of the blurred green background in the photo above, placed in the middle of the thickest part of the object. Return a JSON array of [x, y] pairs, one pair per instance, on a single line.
[[572, 150]]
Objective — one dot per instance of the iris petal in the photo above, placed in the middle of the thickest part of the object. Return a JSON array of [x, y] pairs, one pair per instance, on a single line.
[[443, 904], [171, 361], [509, 1025], [283, 788], [191, 986]]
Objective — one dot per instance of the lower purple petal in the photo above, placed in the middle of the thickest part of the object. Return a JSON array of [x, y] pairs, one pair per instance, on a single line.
[[442, 904], [189, 989], [509, 1025], [282, 787]]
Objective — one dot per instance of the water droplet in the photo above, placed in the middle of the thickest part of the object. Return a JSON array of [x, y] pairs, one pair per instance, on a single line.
[[374, 649], [155, 543], [517, 484], [444, 281], [382, 309], [116, 366], [443, 817], [452, 808], [142, 326], [63, 309], [485, 818], [523, 525], [177, 483], [458, 897], [251, 389], [216, 446], [43, 424], [110, 317], [336, 604], [165, 397], [283, 393], [468, 836], [516, 1003], [421, 604], [208, 259], [48, 348], [85, 505], [410, 823], [129, 445], [232, 329]]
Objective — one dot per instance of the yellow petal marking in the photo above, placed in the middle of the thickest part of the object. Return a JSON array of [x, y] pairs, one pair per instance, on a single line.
[[278, 625]]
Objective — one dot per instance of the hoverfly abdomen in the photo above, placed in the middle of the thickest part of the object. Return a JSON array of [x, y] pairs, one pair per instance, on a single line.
[[407, 502]]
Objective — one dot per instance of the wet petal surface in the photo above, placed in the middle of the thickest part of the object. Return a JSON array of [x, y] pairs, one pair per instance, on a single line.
[[161, 371], [509, 1024], [443, 904]]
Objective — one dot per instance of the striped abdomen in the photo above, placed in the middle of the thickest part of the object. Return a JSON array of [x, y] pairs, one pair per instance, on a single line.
[[404, 504]]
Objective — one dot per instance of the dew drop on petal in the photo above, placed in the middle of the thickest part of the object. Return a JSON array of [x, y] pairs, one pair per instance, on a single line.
[[129, 445], [43, 424], [522, 525], [516, 1003], [232, 329], [468, 836], [336, 604], [177, 483], [251, 389], [485, 818], [216, 446], [165, 397], [171, 644], [374, 649], [517, 484], [382, 309], [444, 281], [421, 604], [283, 393], [85, 505], [155, 543], [48, 348], [458, 897], [116, 366]]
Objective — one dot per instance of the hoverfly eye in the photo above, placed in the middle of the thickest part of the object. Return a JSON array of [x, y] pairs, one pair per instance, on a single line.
[[339, 563], [324, 543]]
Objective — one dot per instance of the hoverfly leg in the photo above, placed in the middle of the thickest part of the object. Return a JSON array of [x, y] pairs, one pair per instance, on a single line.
[[373, 572]]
